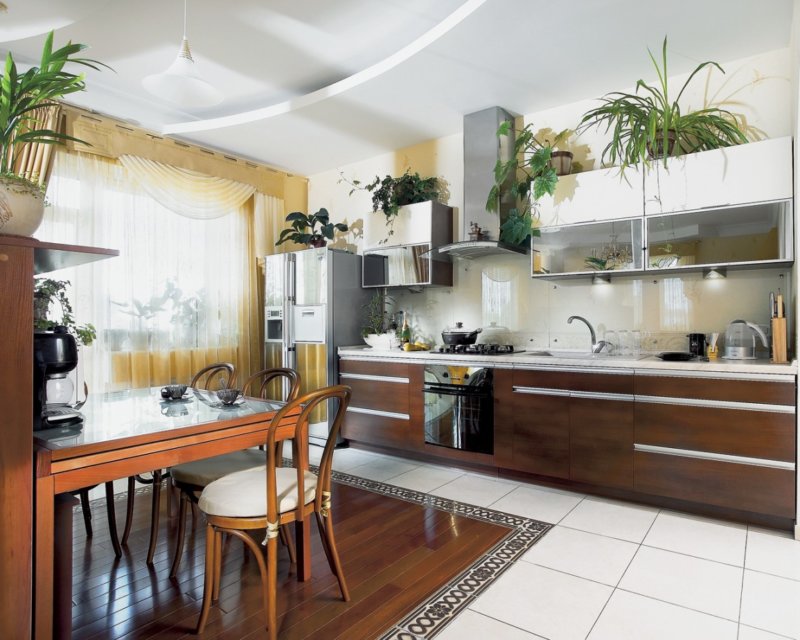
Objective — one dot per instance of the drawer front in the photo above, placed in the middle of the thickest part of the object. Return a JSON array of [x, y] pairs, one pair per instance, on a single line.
[[541, 435], [606, 382], [377, 430], [601, 442], [370, 368], [753, 434], [378, 394], [723, 484], [709, 388]]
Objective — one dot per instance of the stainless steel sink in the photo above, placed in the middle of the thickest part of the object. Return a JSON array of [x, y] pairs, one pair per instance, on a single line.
[[578, 355]]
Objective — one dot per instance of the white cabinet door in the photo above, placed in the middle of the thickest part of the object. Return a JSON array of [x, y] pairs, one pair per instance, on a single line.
[[755, 172], [593, 195]]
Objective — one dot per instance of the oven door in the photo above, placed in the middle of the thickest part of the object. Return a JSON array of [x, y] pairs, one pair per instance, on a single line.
[[459, 417]]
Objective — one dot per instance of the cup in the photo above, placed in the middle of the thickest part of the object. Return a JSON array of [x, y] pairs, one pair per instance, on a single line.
[[173, 391], [636, 343]]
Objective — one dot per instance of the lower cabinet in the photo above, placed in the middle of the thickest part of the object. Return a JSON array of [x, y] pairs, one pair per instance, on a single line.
[[386, 405], [568, 424]]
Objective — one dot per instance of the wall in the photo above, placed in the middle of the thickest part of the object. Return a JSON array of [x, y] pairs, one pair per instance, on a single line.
[[500, 290]]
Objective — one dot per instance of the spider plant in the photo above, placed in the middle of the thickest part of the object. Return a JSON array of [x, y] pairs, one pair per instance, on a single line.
[[23, 95], [646, 124]]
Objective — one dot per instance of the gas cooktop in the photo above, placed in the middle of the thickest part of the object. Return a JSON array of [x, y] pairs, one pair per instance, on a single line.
[[479, 349]]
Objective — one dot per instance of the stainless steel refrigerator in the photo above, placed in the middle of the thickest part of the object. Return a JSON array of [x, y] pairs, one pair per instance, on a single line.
[[314, 304]]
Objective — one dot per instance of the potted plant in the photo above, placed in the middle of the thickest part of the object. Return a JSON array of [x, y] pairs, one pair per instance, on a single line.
[[45, 292], [641, 122], [389, 193], [527, 177], [379, 331], [23, 98], [303, 229]]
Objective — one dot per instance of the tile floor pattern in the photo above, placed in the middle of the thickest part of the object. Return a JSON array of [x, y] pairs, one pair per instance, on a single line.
[[610, 570]]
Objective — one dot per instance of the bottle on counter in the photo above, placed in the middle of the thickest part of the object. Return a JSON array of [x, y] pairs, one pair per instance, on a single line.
[[405, 332]]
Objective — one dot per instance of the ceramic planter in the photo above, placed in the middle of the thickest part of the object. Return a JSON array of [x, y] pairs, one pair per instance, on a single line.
[[21, 208], [561, 161]]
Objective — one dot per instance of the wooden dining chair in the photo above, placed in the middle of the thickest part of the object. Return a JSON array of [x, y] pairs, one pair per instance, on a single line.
[[192, 477], [269, 496], [219, 375]]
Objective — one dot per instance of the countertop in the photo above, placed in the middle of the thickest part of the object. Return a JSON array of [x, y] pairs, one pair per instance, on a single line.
[[525, 359]]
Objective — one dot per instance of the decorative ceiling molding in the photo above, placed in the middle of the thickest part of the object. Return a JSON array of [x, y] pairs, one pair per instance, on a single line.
[[337, 88]]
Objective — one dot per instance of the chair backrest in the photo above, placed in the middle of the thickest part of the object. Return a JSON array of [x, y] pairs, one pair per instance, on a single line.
[[256, 385], [303, 406], [220, 375]]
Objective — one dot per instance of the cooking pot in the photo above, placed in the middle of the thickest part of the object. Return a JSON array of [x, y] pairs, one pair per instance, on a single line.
[[459, 335]]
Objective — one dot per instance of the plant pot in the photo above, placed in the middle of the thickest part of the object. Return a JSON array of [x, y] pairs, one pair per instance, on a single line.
[[382, 341], [658, 153], [317, 243], [41, 305], [21, 208], [561, 161]]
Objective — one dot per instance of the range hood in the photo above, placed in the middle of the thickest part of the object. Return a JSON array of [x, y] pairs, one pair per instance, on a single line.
[[482, 149]]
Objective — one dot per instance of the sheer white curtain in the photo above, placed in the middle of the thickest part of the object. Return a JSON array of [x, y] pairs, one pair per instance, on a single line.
[[179, 295]]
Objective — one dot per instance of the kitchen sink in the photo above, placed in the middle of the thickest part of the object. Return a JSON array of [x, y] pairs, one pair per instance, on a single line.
[[580, 355]]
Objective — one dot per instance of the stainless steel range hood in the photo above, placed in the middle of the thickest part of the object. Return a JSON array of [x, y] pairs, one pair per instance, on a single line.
[[482, 149]]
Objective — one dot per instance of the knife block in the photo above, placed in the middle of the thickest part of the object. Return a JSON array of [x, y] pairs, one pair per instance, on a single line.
[[779, 352]]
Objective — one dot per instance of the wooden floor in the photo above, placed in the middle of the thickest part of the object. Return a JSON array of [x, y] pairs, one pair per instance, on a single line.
[[394, 553]]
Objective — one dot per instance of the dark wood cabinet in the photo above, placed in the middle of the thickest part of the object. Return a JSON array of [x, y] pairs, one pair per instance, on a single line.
[[386, 406], [601, 441], [21, 259]]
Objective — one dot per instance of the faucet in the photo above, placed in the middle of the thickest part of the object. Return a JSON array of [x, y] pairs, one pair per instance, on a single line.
[[597, 347]]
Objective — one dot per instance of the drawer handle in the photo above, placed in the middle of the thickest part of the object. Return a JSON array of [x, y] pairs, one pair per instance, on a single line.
[[376, 412], [716, 404], [533, 391], [717, 457], [364, 376]]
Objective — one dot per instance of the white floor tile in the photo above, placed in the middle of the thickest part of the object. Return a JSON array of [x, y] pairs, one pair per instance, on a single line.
[[698, 584], [471, 625], [472, 489], [586, 555], [773, 554], [539, 503], [346, 459], [545, 602], [771, 603], [382, 470], [694, 536], [629, 616], [425, 478], [749, 633], [616, 519]]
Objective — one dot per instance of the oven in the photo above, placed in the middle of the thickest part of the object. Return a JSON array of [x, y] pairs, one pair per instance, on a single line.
[[459, 411]]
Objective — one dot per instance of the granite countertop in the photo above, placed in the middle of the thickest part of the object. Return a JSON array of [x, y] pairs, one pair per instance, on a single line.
[[524, 359]]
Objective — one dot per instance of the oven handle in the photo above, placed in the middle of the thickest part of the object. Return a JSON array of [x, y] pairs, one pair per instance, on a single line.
[[454, 390]]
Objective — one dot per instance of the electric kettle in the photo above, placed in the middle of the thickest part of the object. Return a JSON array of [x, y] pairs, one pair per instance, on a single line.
[[740, 340]]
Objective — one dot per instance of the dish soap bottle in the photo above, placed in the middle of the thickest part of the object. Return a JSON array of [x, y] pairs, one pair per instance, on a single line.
[[405, 332]]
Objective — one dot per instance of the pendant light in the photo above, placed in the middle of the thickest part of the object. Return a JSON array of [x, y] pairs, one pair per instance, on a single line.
[[180, 83]]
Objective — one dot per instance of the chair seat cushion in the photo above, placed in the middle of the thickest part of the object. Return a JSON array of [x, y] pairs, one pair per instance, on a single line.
[[203, 472], [244, 494]]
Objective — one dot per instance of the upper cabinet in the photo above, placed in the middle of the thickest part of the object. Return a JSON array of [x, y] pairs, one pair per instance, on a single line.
[[593, 195], [745, 174], [402, 252]]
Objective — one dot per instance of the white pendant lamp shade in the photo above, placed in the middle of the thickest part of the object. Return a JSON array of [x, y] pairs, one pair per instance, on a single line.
[[181, 83]]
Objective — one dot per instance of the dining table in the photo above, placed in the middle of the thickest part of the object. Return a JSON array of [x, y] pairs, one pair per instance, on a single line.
[[125, 433]]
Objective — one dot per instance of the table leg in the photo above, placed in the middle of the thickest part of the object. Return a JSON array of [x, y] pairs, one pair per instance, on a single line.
[[43, 555], [62, 567], [302, 536]]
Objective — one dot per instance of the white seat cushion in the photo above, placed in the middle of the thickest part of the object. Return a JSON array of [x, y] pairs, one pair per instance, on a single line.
[[204, 472], [244, 494]]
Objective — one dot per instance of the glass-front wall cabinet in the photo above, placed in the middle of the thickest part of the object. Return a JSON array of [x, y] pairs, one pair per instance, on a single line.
[[734, 236], [581, 249], [397, 266]]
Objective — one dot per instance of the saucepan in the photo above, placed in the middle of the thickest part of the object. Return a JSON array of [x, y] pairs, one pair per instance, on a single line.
[[459, 335]]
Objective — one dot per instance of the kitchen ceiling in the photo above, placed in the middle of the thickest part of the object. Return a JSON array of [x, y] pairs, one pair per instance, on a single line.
[[316, 84]]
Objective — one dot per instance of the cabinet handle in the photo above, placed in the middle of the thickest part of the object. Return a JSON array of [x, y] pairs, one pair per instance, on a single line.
[[717, 404], [376, 412], [541, 392], [717, 457], [364, 376], [597, 395], [3, 257]]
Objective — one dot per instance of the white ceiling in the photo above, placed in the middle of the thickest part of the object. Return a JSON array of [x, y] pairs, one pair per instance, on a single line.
[[523, 55]]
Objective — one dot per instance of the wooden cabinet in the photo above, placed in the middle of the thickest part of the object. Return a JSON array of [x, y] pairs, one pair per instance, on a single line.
[[386, 406], [20, 259], [722, 439], [572, 424]]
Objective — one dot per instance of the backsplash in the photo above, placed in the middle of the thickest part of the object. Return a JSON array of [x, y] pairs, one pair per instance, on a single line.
[[533, 313]]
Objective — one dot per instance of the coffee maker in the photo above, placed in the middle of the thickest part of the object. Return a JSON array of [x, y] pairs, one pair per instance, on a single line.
[[55, 354]]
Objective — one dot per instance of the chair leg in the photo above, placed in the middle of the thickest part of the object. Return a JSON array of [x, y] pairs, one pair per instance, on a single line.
[[129, 512], [271, 590], [208, 587], [112, 519], [286, 539], [217, 566], [156, 510], [87, 511], [176, 561], [325, 526]]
